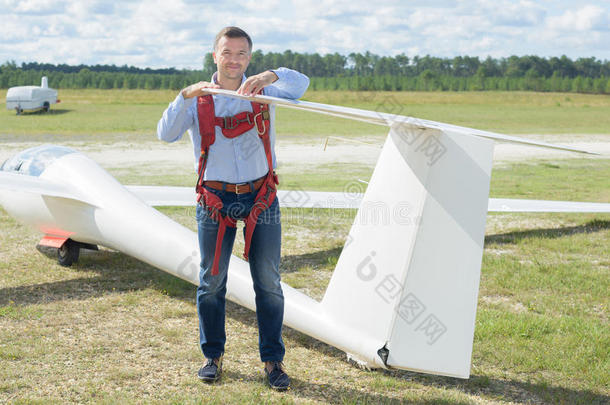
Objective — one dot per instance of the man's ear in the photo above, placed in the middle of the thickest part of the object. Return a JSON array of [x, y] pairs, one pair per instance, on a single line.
[[214, 56]]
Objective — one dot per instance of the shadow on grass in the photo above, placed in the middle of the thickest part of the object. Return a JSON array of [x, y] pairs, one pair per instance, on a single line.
[[115, 272], [504, 390], [292, 263], [550, 233], [326, 393], [52, 111], [58, 111]]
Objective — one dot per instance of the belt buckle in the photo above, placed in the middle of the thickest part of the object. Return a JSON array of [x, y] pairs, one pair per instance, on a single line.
[[241, 184]]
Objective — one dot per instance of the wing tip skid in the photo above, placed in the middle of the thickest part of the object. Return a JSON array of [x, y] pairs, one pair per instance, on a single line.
[[53, 241]]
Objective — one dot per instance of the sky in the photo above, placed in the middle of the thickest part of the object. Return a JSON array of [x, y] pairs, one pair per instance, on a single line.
[[178, 33]]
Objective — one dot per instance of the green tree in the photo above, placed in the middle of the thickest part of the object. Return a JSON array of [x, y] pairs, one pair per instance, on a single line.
[[578, 84]]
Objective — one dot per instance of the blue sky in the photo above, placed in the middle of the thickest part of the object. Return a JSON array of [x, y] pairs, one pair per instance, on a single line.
[[178, 33]]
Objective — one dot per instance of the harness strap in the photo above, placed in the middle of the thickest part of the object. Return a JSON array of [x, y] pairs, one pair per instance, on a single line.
[[235, 125], [205, 110], [214, 204], [266, 194], [231, 128]]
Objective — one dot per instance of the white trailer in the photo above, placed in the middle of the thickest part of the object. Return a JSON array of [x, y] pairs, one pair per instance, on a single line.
[[31, 98]]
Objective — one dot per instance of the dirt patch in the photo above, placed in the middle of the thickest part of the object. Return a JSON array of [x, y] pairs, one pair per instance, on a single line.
[[509, 152], [295, 154], [505, 302]]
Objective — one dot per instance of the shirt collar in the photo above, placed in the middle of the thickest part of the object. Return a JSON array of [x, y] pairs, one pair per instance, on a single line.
[[215, 75]]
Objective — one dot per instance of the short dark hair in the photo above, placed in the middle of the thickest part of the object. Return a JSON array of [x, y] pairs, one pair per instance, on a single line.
[[232, 32]]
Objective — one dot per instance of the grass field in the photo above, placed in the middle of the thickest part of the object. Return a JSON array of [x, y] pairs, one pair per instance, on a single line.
[[130, 114], [112, 329]]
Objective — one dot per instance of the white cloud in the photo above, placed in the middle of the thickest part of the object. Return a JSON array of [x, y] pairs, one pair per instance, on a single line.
[[157, 33], [512, 13], [257, 5], [587, 18], [32, 7]]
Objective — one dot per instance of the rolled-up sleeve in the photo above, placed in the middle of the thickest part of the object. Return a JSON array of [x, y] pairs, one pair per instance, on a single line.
[[290, 84], [176, 119]]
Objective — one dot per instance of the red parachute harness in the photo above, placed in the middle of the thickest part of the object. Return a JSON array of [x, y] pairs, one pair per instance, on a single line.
[[233, 127]]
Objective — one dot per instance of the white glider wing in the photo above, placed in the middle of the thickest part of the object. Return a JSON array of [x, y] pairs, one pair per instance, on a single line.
[[24, 183], [516, 205], [159, 196], [381, 118], [165, 196], [35, 185]]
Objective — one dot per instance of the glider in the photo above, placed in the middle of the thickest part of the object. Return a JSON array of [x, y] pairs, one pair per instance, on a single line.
[[404, 291]]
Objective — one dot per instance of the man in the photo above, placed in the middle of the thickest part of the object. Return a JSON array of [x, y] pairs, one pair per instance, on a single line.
[[233, 141]]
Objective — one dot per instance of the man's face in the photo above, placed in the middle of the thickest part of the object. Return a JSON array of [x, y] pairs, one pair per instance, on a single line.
[[232, 57]]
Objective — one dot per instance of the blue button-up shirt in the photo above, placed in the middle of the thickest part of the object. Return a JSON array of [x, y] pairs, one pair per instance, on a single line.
[[232, 160]]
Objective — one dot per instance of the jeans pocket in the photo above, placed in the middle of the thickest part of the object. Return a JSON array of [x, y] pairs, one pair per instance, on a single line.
[[272, 215], [199, 213]]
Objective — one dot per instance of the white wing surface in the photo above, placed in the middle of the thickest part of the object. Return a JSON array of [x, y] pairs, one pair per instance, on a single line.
[[36, 185], [160, 196], [515, 205], [381, 118]]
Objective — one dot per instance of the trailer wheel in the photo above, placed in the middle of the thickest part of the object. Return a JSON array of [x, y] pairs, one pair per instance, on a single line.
[[19, 110], [46, 106], [68, 253]]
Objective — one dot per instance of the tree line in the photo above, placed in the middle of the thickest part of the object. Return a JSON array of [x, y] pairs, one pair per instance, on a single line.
[[356, 71]]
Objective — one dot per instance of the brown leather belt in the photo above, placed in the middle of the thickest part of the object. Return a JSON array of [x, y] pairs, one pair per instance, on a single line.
[[239, 188]]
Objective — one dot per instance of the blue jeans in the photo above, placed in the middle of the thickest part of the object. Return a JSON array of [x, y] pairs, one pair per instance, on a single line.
[[264, 260]]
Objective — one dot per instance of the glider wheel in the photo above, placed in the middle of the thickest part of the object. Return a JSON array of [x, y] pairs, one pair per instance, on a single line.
[[68, 253], [46, 106]]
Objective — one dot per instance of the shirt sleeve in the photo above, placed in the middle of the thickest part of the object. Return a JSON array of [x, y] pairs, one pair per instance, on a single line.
[[176, 119], [290, 84]]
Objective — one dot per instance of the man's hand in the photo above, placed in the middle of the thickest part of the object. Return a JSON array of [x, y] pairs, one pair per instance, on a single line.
[[198, 89], [254, 84]]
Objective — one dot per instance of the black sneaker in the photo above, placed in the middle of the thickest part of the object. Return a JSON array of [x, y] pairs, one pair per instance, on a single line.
[[278, 379], [211, 371]]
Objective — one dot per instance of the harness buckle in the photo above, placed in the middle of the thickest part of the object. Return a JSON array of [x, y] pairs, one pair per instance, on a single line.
[[231, 122], [265, 116]]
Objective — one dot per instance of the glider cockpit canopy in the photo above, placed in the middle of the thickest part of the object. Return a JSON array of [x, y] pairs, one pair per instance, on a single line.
[[34, 161]]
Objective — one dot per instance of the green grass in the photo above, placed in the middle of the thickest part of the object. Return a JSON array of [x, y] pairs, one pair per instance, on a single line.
[[505, 112], [113, 115], [83, 114], [566, 179], [112, 329]]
